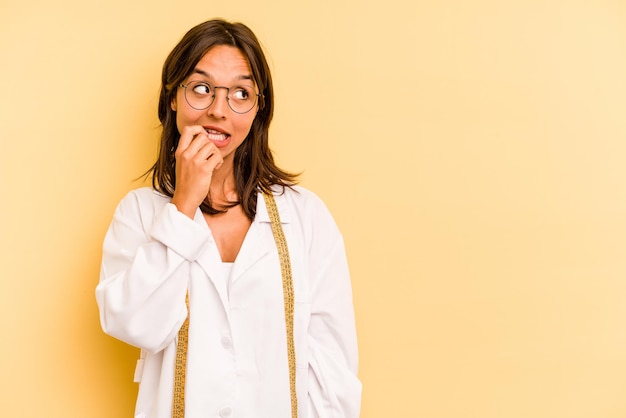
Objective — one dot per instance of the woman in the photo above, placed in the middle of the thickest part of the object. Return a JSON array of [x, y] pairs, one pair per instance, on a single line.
[[194, 259]]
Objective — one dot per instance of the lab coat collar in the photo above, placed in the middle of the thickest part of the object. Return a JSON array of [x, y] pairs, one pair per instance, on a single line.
[[259, 240], [258, 243], [281, 203]]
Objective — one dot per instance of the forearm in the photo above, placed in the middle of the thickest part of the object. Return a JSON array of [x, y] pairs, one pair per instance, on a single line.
[[145, 271], [144, 305]]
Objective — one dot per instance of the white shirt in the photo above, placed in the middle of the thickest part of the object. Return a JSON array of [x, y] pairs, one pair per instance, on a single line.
[[237, 354]]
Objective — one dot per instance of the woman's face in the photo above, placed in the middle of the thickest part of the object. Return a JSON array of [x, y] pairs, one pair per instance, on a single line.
[[221, 66]]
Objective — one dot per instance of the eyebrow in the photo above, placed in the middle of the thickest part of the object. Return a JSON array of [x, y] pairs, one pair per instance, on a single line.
[[207, 75]]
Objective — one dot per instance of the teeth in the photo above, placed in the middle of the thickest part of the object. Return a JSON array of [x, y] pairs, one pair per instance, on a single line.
[[216, 135]]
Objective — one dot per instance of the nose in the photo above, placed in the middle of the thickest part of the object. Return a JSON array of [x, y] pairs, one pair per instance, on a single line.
[[219, 107]]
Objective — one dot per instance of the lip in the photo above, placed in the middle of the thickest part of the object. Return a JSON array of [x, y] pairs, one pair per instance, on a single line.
[[216, 129], [214, 132]]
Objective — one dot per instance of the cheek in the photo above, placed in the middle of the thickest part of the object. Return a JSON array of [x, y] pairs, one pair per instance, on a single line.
[[186, 116], [246, 123]]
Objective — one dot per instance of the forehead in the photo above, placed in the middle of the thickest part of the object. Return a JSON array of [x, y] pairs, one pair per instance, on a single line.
[[223, 63]]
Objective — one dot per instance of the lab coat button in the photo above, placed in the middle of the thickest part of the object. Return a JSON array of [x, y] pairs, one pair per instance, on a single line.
[[226, 342], [226, 412]]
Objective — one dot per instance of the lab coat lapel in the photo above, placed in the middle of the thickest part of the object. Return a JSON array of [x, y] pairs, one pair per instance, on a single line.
[[259, 240], [209, 261], [257, 244]]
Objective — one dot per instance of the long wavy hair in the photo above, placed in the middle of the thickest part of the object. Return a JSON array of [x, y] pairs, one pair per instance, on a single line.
[[254, 166]]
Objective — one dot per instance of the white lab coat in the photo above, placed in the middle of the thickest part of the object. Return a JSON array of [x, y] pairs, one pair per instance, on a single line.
[[237, 354]]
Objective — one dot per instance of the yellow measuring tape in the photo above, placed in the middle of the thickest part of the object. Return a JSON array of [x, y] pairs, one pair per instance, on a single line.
[[285, 267], [178, 403]]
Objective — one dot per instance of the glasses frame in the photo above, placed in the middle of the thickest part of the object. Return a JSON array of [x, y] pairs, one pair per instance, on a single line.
[[184, 86]]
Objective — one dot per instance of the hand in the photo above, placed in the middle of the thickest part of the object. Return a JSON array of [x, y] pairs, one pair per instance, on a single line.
[[196, 158]]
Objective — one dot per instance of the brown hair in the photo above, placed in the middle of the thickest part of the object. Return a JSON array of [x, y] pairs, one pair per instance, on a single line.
[[254, 166]]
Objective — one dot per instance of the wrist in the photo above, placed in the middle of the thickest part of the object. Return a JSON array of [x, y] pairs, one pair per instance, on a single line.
[[184, 207]]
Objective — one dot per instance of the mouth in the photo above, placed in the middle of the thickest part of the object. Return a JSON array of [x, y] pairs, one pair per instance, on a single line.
[[216, 135]]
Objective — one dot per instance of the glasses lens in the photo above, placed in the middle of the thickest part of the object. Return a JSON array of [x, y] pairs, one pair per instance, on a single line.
[[199, 95], [242, 98]]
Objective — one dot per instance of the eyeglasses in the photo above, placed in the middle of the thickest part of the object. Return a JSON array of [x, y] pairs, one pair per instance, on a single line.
[[200, 95]]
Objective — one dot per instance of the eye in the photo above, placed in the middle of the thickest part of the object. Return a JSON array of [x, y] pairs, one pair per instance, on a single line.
[[201, 89], [242, 93]]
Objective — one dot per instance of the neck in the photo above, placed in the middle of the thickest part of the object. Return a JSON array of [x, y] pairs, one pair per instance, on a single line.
[[223, 188]]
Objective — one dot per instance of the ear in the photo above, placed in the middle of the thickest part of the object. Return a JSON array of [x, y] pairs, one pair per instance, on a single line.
[[173, 104]]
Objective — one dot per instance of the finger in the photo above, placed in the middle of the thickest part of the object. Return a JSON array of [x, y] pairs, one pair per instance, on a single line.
[[215, 161], [209, 151], [200, 141], [187, 136], [198, 150]]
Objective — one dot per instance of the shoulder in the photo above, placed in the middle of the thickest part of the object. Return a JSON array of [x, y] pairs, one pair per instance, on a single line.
[[303, 206], [301, 199], [142, 201]]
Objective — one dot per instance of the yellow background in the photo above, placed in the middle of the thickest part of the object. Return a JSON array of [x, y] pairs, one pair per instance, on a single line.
[[472, 153]]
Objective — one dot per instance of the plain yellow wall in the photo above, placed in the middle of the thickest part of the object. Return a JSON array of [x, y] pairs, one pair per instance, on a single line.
[[472, 152]]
